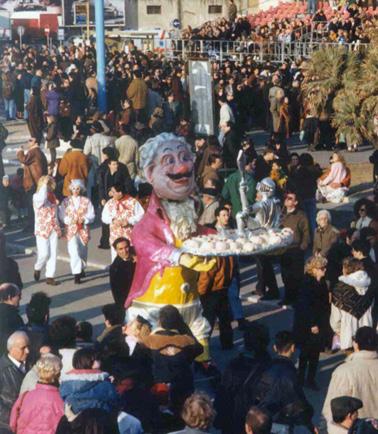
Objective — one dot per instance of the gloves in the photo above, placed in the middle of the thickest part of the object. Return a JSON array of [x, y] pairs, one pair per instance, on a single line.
[[196, 263]]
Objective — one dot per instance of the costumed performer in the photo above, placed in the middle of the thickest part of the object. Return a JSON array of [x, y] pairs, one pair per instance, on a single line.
[[164, 274]]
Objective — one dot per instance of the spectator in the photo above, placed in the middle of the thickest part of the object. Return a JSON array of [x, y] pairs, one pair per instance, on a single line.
[[12, 372], [357, 376], [325, 234], [121, 271], [212, 171], [41, 409], [292, 260], [38, 315], [52, 139], [10, 320], [230, 145], [311, 319], [334, 186], [96, 142], [264, 164], [8, 95], [128, 152], [137, 93], [62, 339], [279, 390], [364, 215], [35, 115], [9, 271], [230, 191], [344, 413], [258, 421], [352, 302], [35, 165], [198, 414]]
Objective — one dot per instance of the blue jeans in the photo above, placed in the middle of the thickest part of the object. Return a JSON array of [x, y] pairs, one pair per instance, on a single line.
[[26, 102], [309, 206], [10, 108], [234, 299]]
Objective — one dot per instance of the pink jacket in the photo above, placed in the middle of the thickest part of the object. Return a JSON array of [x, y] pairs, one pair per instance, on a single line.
[[154, 244], [39, 411]]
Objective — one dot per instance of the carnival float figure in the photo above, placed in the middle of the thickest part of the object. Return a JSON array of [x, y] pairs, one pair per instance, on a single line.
[[164, 273]]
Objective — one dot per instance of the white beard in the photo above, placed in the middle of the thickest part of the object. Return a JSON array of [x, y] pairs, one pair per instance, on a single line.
[[182, 216]]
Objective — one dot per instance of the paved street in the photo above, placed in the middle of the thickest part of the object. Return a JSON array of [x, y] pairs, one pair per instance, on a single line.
[[84, 301]]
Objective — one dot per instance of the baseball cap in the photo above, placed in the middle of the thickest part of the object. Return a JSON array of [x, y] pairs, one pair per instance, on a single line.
[[343, 405]]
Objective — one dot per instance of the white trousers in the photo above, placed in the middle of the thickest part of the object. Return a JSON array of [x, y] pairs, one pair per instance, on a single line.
[[47, 250], [78, 253]]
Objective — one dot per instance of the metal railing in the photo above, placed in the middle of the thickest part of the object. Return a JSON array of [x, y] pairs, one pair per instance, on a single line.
[[268, 51]]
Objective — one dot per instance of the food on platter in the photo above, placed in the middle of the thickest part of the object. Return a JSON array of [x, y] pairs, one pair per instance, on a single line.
[[230, 242]]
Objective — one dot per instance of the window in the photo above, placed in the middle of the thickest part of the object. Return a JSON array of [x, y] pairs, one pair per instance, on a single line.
[[215, 9], [153, 10]]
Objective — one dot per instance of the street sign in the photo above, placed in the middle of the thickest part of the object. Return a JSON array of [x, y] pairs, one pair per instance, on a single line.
[[61, 34], [20, 30], [176, 23]]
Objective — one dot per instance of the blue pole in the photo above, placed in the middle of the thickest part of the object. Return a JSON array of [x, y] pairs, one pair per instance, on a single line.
[[100, 50]]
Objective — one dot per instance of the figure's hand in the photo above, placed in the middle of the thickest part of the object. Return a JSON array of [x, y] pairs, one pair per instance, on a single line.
[[315, 330], [196, 263]]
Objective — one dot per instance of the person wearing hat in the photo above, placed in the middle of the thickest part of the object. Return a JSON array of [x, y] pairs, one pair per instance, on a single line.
[[344, 414], [77, 212]]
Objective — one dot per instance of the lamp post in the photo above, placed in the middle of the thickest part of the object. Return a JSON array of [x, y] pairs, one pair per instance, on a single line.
[[100, 54]]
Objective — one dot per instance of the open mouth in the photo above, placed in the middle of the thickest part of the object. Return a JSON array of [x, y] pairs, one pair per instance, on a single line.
[[180, 178]]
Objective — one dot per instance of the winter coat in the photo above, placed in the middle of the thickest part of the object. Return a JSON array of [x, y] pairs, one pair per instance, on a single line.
[[298, 223], [280, 393], [357, 377], [35, 120], [38, 411], [74, 165], [10, 382], [312, 309], [324, 239], [352, 303], [86, 389], [128, 152], [230, 191], [35, 166], [52, 140], [218, 278], [91, 421], [10, 321], [137, 92], [53, 98]]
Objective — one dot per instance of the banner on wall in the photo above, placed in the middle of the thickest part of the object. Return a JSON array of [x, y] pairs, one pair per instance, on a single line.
[[75, 13]]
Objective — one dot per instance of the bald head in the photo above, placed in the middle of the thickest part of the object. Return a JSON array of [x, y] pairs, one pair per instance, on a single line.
[[18, 346]]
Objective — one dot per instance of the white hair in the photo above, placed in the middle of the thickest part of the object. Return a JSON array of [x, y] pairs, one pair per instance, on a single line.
[[77, 183], [323, 212], [152, 147], [14, 337]]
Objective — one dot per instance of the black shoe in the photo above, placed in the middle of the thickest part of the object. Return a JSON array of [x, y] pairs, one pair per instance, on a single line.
[[311, 384], [77, 279], [100, 246], [270, 296], [82, 274], [37, 275], [242, 324], [286, 302], [28, 230], [51, 281]]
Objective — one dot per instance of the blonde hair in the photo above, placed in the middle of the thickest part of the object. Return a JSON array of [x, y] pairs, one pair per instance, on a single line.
[[198, 411], [313, 263], [48, 368], [340, 158], [46, 180]]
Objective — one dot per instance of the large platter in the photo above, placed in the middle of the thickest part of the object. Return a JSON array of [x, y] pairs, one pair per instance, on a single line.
[[230, 243]]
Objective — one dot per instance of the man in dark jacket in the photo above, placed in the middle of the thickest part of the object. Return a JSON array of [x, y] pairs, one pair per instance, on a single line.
[[12, 372], [121, 271], [10, 319], [292, 261], [231, 145], [279, 391]]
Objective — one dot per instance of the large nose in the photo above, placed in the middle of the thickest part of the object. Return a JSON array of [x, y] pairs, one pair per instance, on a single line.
[[182, 168]]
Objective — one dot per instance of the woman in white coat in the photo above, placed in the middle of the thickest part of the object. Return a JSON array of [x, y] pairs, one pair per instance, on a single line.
[[352, 301], [77, 212]]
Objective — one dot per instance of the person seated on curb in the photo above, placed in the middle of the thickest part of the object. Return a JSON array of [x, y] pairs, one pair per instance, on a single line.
[[345, 417]]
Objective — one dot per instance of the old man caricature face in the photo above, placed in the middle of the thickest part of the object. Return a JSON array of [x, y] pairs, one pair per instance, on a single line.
[[172, 171]]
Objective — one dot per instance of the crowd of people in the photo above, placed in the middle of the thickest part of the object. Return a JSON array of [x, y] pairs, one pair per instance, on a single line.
[[56, 377]]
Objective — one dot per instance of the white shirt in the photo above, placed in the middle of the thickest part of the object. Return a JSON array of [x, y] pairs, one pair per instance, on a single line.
[[226, 114], [19, 365]]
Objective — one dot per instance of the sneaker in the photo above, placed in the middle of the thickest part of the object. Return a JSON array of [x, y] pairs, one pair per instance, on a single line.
[[51, 281], [37, 275]]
